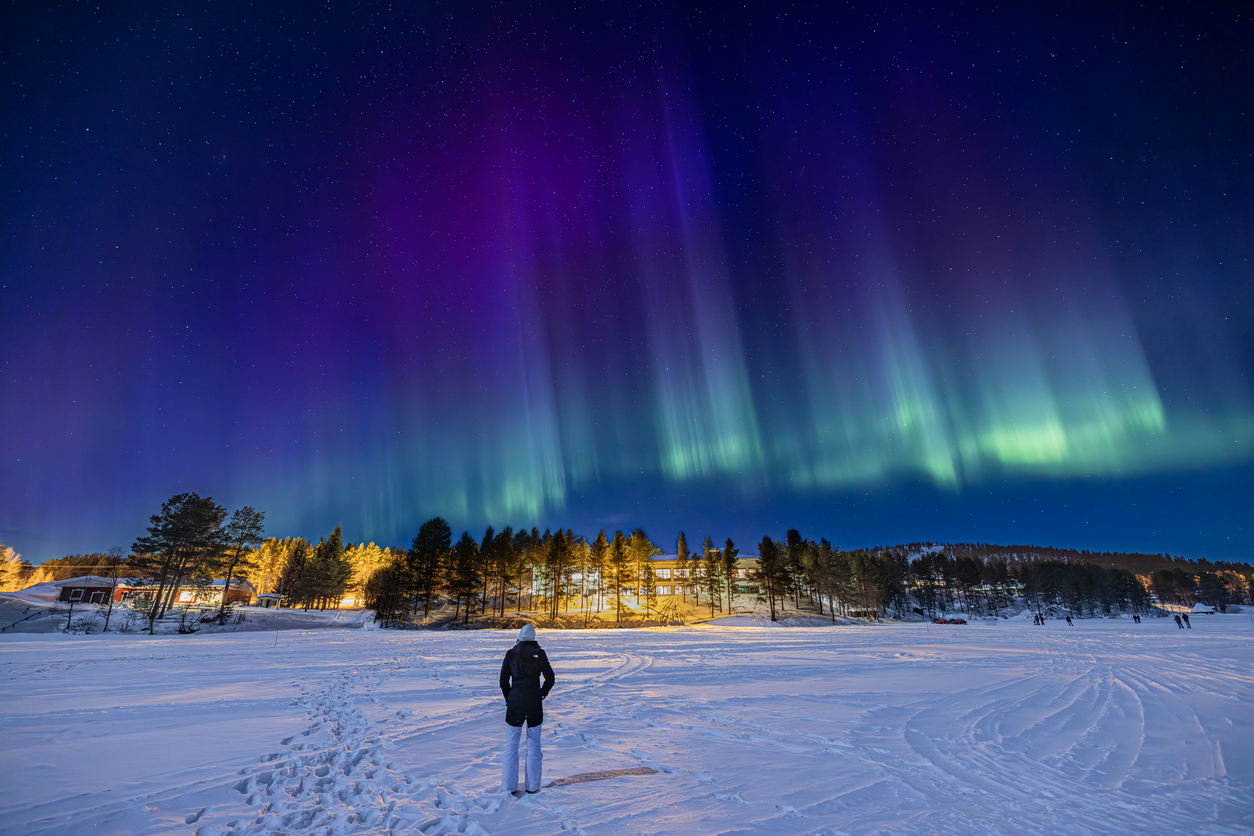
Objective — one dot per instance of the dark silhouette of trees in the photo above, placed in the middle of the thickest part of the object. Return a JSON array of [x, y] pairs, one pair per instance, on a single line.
[[681, 565], [794, 565], [712, 584], [385, 593], [729, 573], [620, 566], [464, 580], [598, 557], [426, 558], [769, 573], [181, 541], [317, 577], [242, 534]]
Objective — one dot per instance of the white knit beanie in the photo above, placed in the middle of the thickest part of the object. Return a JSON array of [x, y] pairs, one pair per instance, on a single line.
[[527, 633]]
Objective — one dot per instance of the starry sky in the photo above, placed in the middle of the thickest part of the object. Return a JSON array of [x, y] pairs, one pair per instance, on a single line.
[[884, 272]]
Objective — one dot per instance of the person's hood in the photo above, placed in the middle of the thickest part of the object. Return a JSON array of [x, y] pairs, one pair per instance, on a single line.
[[527, 633]]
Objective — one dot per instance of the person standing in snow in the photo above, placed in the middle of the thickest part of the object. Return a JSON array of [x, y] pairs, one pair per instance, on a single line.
[[1186, 621], [1069, 624], [521, 669], [1179, 623]]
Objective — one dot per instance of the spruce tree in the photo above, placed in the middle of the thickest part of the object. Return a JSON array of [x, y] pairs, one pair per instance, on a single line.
[[291, 584], [698, 575]]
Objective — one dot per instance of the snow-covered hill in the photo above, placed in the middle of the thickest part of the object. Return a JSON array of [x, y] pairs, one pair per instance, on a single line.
[[988, 728]]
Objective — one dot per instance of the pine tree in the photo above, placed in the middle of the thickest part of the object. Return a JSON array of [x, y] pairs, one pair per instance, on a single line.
[[768, 571], [463, 581], [520, 560], [180, 541], [641, 550], [114, 569], [729, 573], [598, 554], [556, 559], [681, 565], [486, 564], [427, 558], [503, 550], [698, 575], [242, 533], [384, 590], [620, 562], [581, 561], [712, 567], [795, 565]]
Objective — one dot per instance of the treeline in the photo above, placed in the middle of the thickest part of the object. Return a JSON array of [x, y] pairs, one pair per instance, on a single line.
[[557, 571], [1135, 562], [554, 571], [929, 579]]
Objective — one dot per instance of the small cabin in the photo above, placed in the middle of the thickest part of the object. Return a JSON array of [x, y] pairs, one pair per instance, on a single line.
[[270, 600]]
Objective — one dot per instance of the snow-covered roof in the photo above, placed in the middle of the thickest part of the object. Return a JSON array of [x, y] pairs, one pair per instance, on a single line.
[[270, 595], [1203, 608], [97, 581], [236, 583], [696, 556]]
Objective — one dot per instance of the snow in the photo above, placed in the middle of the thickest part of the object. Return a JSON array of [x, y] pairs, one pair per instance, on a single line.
[[991, 728], [24, 612]]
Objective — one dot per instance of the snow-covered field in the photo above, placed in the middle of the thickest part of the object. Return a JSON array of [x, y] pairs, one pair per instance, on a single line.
[[1003, 727]]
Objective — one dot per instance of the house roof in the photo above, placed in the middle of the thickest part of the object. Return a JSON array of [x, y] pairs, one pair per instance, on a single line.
[[97, 581]]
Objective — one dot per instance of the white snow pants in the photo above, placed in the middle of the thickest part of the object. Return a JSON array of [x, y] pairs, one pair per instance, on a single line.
[[509, 765]]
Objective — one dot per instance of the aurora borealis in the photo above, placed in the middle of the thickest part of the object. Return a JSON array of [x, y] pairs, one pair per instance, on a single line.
[[884, 272]]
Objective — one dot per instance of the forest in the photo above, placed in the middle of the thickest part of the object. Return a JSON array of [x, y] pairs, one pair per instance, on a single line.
[[561, 577]]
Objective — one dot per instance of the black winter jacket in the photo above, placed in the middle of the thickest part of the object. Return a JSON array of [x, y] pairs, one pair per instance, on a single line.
[[520, 683]]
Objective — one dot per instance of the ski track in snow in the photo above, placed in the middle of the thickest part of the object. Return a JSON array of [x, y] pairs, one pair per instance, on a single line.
[[904, 729]]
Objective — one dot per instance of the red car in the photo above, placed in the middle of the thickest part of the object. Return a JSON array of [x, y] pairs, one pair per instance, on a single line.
[[949, 621]]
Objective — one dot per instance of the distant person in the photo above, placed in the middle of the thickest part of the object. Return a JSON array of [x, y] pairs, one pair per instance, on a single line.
[[1069, 624], [1186, 621], [521, 669], [1179, 623]]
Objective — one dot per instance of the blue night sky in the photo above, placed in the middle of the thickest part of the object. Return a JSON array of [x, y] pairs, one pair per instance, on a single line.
[[881, 272]]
